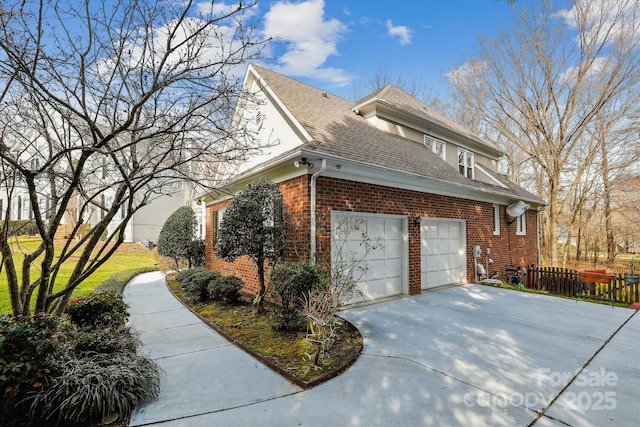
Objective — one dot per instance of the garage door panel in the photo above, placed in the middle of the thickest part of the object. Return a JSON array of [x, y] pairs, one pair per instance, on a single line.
[[393, 285], [356, 250], [443, 246], [372, 289], [393, 248], [393, 229], [376, 269], [375, 228], [393, 267]]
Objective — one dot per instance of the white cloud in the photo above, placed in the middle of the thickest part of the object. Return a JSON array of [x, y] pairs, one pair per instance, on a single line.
[[399, 31], [597, 71], [465, 73], [309, 38], [220, 8], [605, 18]]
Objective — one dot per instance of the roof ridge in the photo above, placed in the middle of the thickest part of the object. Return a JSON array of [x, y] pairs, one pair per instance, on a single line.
[[262, 68]]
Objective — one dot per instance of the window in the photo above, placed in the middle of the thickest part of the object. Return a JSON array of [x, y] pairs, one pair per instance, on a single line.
[[496, 220], [19, 207], [437, 146], [216, 220], [465, 162], [521, 224]]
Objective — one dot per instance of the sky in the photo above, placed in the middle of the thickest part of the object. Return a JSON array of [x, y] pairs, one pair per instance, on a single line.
[[337, 45]]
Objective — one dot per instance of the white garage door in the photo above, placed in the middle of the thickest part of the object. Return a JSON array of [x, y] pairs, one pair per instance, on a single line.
[[443, 252], [379, 273]]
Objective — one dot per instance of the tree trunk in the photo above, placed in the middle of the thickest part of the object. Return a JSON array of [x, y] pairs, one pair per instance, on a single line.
[[611, 244], [262, 290]]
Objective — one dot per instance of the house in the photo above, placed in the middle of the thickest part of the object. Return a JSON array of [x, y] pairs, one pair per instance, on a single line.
[[424, 186], [144, 225]]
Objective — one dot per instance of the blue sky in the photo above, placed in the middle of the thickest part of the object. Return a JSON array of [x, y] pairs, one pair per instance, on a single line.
[[338, 44]]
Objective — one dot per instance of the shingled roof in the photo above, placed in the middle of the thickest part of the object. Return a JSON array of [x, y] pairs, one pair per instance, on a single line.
[[400, 99], [337, 131]]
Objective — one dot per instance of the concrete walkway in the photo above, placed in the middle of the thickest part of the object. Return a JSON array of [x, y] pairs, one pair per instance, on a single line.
[[468, 355]]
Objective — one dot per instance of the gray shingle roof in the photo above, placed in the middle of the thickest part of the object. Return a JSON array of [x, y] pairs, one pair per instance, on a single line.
[[401, 99], [338, 131]]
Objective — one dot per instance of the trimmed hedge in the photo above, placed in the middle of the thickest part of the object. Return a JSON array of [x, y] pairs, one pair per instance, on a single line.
[[21, 227], [225, 289], [195, 282], [98, 311], [117, 282]]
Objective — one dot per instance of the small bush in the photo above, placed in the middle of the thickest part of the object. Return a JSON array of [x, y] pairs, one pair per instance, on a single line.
[[31, 349], [96, 386], [225, 289], [21, 227], [108, 340], [290, 282], [184, 275], [194, 285], [98, 310], [115, 284]]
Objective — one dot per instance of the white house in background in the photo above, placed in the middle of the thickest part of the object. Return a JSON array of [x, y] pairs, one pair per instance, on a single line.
[[144, 225]]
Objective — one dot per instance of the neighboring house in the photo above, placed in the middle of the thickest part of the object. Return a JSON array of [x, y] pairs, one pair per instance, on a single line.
[[144, 225], [424, 186]]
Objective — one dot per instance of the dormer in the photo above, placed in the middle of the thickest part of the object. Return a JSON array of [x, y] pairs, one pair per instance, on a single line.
[[392, 110]]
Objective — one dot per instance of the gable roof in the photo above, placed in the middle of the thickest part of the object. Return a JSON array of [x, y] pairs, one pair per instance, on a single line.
[[337, 131]]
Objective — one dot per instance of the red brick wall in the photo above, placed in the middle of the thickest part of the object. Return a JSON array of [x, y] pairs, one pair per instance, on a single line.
[[349, 196], [296, 194]]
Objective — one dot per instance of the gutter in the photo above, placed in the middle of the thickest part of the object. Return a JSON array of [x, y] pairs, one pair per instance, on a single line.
[[312, 244]]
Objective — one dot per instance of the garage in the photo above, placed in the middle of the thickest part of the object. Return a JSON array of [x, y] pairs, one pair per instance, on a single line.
[[442, 252], [376, 244]]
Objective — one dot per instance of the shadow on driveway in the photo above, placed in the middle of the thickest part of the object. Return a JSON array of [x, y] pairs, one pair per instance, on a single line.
[[468, 355]]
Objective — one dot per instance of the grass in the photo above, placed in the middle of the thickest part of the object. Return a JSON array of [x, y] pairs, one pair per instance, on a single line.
[[128, 256], [288, 351]]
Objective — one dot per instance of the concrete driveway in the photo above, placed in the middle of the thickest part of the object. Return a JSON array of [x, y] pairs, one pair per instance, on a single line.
[[468, 355]]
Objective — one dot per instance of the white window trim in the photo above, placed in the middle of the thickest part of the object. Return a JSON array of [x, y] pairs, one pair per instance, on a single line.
[[496, 220], [521, 225], [431, 142], [470, 153]]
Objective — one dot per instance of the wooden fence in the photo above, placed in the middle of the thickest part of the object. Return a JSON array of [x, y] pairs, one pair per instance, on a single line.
[[566, 282]]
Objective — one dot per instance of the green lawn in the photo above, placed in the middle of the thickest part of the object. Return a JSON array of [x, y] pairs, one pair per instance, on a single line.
[[128, 256]]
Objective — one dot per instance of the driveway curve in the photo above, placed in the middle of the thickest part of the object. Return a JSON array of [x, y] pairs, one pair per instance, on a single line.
[[466, 355]]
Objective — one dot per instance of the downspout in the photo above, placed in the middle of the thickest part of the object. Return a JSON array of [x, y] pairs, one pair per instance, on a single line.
[[312, 241]]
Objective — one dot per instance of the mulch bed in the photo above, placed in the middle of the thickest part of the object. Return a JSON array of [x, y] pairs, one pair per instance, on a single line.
[[286, 352]]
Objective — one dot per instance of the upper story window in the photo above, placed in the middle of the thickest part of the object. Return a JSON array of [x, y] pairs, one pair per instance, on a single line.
[[437, 146], [465, 162]]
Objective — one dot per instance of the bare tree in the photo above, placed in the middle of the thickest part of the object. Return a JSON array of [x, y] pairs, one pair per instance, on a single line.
[[539, 87], [103, 108]]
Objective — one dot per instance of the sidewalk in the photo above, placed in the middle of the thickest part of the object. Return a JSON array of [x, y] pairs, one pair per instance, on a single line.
[[203, 372]]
